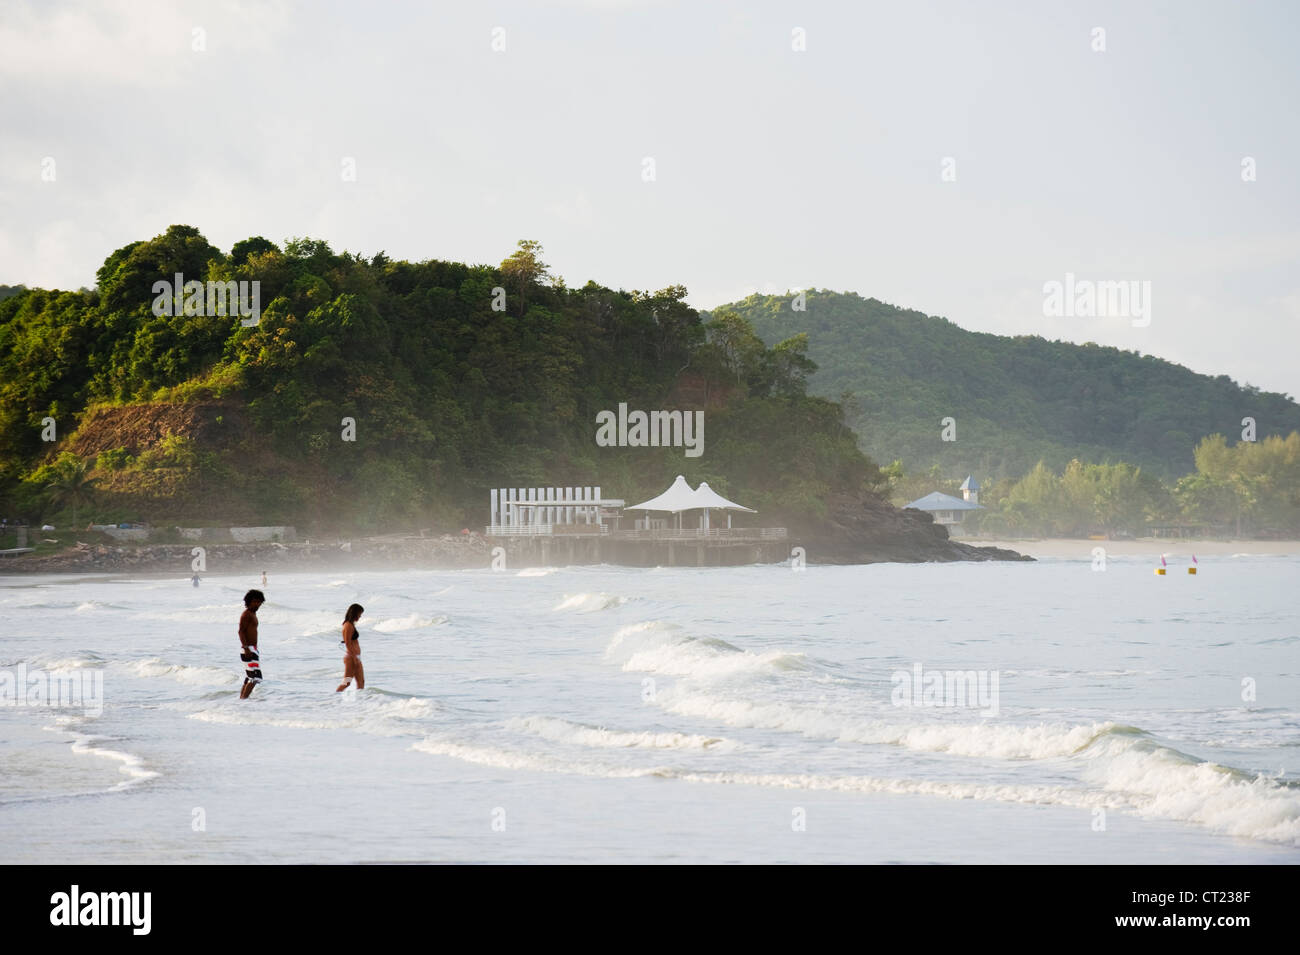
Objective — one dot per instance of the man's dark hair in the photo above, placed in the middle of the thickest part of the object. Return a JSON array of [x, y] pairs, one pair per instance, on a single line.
[[254, 595]]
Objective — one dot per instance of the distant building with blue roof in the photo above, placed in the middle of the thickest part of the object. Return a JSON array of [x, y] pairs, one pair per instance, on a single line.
[[949, 510]]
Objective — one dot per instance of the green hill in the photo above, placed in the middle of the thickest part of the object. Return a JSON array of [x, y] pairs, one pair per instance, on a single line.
[[375, 394], [1015, 400]]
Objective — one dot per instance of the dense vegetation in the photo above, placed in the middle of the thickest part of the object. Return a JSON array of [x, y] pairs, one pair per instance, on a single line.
[[453, 387], [1251, 488], [1016, 401]]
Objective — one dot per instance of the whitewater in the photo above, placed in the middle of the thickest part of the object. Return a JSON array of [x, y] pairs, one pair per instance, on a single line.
[[606, 714]]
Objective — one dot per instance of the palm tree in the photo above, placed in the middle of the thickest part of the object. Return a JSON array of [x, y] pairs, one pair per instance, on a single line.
[[74, 485]]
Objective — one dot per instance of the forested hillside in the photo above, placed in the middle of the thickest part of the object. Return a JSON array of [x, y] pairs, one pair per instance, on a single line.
[[1016, 401], [455, 378]]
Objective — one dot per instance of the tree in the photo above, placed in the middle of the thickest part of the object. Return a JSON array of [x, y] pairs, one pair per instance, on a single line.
[[790, 366], [1035, 500], [524, 267], [127, 276], [242, 250], [73, 484], [741, 350]]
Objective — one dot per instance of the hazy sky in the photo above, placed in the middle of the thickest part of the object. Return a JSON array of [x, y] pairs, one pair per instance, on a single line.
[[774, 168]]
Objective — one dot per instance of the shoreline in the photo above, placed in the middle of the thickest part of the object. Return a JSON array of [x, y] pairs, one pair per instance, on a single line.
[[1152, 547], [456, 552], [444, 552]]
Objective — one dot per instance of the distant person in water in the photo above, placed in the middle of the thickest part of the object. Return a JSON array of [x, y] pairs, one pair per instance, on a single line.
[[248, 642], [195, 580], [263, 578], [352, 649]]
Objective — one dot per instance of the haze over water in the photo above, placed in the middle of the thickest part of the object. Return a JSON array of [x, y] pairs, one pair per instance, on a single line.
[[712, 715]]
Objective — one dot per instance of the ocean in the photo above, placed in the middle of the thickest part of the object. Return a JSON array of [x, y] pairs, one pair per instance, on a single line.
[[933, 713]]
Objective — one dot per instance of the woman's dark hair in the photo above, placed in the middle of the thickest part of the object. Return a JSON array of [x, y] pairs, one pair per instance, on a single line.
[[254, 595], [356, 610]]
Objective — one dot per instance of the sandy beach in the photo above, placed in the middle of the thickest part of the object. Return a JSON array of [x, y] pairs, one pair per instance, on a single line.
[[1145, 546]]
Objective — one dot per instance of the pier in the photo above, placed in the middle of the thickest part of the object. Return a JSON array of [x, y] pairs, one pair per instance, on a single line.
[[547, 526]]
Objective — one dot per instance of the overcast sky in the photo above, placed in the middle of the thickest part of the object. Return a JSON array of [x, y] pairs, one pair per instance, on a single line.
[[774, 168]]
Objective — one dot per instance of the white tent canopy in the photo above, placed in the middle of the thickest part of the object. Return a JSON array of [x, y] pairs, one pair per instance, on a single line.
[[705, 496], [679, 497]]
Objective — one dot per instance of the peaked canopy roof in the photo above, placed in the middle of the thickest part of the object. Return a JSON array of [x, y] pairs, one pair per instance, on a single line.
[[970, 484], [942, 502], [679, 497], [707, 497]]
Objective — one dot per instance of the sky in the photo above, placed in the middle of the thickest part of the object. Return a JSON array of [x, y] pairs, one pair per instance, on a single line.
[[953, 158]]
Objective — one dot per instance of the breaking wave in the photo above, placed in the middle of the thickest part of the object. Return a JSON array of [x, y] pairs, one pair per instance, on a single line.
[[581, 734], [131, 765], [589, 603], [656, 647], [410, 622], [193, 675]]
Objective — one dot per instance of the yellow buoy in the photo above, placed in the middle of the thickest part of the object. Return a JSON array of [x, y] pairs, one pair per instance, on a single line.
[[1160, 571], [1191, 570]]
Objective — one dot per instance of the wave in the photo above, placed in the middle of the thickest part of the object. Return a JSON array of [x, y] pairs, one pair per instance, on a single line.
[[132, 765], [589, 603], [1147, 776], [582, 734], [996, 792], [536, 572], [245, 716], [646, 626], [91, 606], [1166, 783], [701, 661], [656, 647], [410, 622], [986, 739], [52, 663], [408, 708], [514, 759], [1156, 782], [369, 711], [193, 675]]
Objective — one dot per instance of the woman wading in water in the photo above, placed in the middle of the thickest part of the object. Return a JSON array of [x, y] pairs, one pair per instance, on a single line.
[[352, 649]]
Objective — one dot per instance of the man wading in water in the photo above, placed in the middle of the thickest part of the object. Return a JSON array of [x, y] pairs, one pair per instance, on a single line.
[[248, 641]]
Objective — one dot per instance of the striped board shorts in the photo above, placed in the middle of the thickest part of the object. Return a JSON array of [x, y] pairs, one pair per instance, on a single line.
[[252, 668]]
